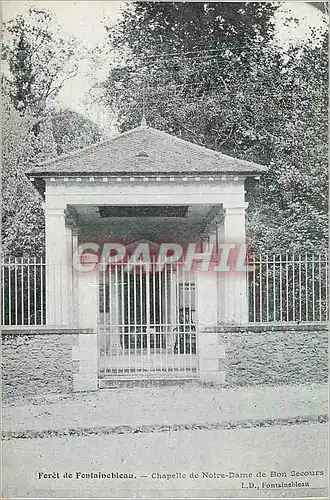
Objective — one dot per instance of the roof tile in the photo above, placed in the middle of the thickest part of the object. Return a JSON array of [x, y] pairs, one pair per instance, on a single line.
[[145, 150]]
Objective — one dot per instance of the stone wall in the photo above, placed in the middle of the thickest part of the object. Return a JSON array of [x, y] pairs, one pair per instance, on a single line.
[[270, 355], [44, 362], [37, 364]]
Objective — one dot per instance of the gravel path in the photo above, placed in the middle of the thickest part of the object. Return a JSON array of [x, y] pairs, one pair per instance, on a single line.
[[166, 406], [148, 429]]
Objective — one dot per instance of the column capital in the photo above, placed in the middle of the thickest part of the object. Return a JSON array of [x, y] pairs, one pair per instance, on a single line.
[[211, 222], [234, 208], [71, 217]]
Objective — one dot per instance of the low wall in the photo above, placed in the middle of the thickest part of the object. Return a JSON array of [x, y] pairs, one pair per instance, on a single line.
[[45, 362], [37, 362], [274, 355]]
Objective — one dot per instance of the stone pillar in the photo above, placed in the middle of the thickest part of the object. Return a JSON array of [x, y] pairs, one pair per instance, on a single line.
[[75, 282], [209, 351], [206, 297], [86, 353], [216, 236], [57, 268], [235, 283], [88, 300], [70, 276]]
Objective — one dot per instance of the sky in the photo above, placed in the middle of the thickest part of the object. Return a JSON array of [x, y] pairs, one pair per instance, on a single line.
[[85, 20]]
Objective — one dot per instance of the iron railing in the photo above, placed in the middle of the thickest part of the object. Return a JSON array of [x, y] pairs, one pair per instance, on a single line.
[[23, 291], [288, 288], [146, 321], [280, 288]]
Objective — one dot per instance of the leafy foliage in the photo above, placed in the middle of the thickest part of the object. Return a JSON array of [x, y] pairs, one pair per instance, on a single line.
[[22, 214], [211, 74], [38, 60], [72, 131], [23, 225], [178, 56], [289, 208], [159, 28]]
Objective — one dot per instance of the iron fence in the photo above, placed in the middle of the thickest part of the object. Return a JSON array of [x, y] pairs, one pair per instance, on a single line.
[[281, 288], [23, 291], [289, 288], [147, 321]]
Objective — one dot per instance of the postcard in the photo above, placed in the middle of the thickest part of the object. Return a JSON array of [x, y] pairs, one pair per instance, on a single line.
[[164, 267]]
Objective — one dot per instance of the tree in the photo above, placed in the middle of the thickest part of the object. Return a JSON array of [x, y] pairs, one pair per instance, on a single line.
[[23, 225], [38, 61], [218, 80], [158, 27], [288, 210], [72, 130], [22, 214], [177, 53]]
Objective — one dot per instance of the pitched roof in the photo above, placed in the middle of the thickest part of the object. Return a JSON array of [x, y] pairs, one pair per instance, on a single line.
[[144, 150]]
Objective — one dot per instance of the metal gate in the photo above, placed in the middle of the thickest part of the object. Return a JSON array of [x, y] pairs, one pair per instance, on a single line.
[[147, 325]]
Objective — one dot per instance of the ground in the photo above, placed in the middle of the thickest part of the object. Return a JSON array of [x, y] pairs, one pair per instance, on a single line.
[[188, 404], [281, 449], [180, 430]]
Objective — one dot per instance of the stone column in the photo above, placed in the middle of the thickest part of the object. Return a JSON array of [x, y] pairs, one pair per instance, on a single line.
[[86, 353], [57, 268], [235, 283], [216, 236], [88, 299], [75, 303], [68, 229], [206, 297], [209, 351]]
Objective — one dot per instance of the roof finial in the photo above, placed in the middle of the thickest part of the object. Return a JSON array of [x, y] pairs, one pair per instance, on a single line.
[[143, 122]]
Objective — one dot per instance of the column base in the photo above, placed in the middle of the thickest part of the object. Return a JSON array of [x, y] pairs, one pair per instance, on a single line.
[[85, 382], [86, 353], [211, 352], [213, 377]]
